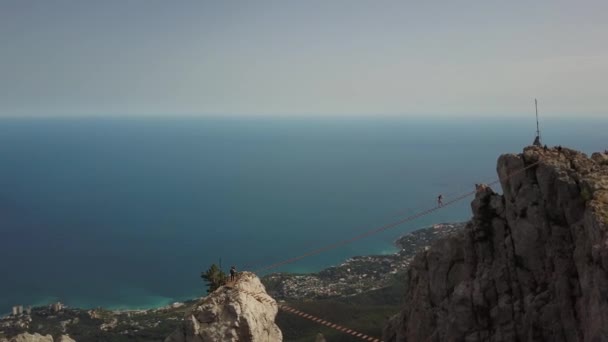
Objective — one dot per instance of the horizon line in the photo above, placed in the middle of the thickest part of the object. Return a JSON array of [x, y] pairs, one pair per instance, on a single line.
[[426, 116]]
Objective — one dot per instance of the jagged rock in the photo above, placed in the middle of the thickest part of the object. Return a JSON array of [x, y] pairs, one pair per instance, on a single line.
[[242, 312], [530, 266], [109, 325], [600, 158], [25, 337]]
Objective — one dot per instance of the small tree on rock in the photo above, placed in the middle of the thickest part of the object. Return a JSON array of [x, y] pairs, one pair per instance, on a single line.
[[214, 277]]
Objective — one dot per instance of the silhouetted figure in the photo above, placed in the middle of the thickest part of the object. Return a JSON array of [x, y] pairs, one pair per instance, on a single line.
[[480, 187], [439, 200], [559, 150], [232, 273], [545, 148]]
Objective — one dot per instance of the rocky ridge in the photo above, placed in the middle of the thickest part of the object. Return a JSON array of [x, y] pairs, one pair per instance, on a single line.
[[239, 311], [530, 266]]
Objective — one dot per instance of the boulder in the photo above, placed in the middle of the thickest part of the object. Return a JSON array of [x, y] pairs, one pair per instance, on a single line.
[[25, 337], [65, 338]]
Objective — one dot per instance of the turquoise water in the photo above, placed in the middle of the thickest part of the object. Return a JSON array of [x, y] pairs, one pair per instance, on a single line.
[[125, 213]]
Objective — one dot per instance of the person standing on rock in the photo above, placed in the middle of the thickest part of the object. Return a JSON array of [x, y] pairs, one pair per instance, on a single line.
[[232, 273], [439, 200]]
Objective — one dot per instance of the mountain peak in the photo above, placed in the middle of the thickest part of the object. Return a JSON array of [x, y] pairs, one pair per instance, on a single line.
[[531, 264], [241, 311]]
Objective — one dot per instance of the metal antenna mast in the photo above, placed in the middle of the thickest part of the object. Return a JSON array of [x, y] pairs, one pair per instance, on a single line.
[[537, 129]]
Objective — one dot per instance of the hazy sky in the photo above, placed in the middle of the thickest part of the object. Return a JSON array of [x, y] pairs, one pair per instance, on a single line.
[[303, 57]]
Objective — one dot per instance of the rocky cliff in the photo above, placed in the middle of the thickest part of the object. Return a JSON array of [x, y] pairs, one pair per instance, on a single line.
[[530, 266], [241, 311]]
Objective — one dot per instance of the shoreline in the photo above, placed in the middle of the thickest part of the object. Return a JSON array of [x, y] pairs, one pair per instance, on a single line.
[[355, 263], [357, 274]]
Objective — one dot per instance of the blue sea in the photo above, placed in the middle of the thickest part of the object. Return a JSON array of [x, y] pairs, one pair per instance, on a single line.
[[126, 213]]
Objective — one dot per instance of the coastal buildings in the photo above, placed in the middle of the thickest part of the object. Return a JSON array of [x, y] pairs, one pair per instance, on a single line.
[[56, 307], [360, 273], [17, 310]]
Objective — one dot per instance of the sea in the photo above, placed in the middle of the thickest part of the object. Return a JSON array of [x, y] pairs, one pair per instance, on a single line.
[[125, 213]]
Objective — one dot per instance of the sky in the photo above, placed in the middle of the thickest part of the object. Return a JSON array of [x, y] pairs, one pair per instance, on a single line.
[[302, 58]]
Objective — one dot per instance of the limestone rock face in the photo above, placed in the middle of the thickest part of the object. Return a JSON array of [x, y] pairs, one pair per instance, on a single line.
[[65, 338], [530, 266], [240, 312], [25, 337]]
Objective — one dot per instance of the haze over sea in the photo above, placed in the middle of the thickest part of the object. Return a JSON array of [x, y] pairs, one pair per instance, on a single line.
[[126, 213]]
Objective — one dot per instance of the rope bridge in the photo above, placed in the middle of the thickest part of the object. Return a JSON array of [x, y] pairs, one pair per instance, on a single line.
[[371, 232]]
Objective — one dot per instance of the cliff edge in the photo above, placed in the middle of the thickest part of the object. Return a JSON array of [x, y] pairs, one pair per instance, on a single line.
[[241, 311], [530, 266]]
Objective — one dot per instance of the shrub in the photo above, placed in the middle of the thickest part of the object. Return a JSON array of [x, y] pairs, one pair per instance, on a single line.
[[586, 194], [214, 278]]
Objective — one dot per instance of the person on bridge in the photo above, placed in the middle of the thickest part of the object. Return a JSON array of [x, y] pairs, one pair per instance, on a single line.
[[440, 200], [232, 273], [480, 187]]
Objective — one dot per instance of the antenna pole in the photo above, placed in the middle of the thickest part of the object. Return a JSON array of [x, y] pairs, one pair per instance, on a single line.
[[537, 129]]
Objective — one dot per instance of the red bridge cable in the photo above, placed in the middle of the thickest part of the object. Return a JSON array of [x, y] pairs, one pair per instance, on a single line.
[[307, 316]]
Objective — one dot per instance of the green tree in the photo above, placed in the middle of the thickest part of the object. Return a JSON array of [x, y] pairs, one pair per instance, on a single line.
[[214, 277]]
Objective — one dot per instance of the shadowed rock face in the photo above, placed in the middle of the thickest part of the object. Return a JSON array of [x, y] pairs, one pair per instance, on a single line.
[[240, 312], [530, 266]]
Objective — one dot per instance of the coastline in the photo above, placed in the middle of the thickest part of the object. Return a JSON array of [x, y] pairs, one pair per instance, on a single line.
[[357, 274], [354, 276], [352, 271]]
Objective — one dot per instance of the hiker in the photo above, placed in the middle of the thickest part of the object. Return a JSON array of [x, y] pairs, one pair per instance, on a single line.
[[559, 150], [232, 273], [439, 200], [480, 187], [545, 148]]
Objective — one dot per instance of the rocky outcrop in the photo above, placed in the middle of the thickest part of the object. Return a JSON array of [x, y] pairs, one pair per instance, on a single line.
[[25, 337], [65, 338], [242, 311], [530, 266]]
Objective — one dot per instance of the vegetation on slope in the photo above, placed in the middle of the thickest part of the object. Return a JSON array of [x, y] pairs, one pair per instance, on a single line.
[[367, 313]]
